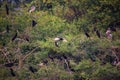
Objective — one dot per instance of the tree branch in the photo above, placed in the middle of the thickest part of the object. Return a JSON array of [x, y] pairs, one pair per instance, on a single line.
[[5, 55], [29, 53]]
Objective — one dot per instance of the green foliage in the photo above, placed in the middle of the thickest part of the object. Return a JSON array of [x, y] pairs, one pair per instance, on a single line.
[[5, 74], [69, 19], [94, 71]]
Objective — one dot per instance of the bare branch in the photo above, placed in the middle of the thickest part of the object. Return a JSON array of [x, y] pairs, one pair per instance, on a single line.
[[5, 54], [29, 53]]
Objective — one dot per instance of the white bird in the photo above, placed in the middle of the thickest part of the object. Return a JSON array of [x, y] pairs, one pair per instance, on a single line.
[[110, 36], [108, 33], [57, 39], [41, 65], [32, 9]]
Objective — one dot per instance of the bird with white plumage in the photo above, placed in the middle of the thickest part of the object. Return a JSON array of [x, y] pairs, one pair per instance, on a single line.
[[57, 39]]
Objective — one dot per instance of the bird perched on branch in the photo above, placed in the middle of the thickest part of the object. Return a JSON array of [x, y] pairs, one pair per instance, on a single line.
[[51, 57], [87, 35], [32, 9], [49, 5], [94, 29], [7, 29], [12, 72], [113, 28], [57, 39], [15, 36], [41, 65], [20, 37], [33, 23], [98, 34], [33, 70], [9, 64], [7, 9], [108, 33]]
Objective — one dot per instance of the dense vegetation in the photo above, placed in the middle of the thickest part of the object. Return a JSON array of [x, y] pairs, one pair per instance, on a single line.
[[27, 49]]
